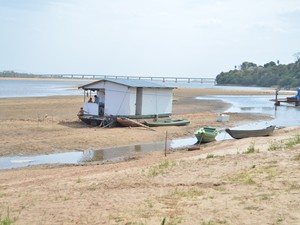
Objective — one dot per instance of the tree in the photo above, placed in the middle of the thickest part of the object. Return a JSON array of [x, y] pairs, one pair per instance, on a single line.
[[247, 65], [297, 56], [270, 64]]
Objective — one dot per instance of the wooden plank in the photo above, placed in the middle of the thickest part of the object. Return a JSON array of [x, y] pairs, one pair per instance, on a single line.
[[138, 123]]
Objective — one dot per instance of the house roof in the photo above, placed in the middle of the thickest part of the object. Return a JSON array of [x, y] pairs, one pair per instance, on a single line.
[[129, 83]]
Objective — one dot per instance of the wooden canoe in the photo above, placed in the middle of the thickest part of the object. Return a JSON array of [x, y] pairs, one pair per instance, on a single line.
[[238, 134], [206, 134], [168, 122]]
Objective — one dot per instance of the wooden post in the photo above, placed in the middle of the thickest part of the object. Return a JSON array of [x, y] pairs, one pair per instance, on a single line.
[[276, 97], [166, 143]]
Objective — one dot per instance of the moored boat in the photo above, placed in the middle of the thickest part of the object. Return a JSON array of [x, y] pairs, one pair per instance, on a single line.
[[206, 134], [167, 122], [91, 120], [238, 134]]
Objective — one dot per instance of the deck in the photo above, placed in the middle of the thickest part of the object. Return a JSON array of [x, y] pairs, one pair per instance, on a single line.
[[288, 100]]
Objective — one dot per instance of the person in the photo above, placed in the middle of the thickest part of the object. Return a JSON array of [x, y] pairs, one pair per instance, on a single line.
[[90, 100], [81, 112], [96, 99]]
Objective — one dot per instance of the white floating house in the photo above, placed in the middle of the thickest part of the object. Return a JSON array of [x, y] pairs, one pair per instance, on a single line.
[[128, 98]]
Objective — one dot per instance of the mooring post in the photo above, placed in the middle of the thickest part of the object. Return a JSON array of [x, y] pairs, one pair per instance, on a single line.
[[276, 97], [166, 143]]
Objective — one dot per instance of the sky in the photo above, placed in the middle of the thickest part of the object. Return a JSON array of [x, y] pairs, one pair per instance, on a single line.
[[172, 38]]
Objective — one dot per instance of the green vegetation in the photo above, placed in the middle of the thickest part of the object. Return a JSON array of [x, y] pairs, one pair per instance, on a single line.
[[6, 220], [268, 75], [171, 221], [293, 141], [251, 149], [211, 156], [160, 169], [15, 74], [284, 144], [244, 177], [190, 193], [276, 145]]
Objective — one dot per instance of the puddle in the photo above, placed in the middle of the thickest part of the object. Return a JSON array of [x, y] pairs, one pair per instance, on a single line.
[[100, 156]]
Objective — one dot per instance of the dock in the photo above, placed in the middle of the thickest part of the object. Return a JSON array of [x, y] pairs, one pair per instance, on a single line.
[[289, 100], [286, 100]]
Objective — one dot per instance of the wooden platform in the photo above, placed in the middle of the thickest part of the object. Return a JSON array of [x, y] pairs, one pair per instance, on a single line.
[[288, 100]]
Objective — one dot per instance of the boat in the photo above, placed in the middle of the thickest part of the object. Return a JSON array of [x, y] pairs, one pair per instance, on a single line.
[[167, 122], [238, 134], [206, 134], [91, 120], [126, 122]]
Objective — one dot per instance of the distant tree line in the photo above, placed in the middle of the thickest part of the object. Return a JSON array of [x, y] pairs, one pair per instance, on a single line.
[[269, 75], [10, 73]]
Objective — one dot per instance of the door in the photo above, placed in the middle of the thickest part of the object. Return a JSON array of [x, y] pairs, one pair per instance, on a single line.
[[139, 101]]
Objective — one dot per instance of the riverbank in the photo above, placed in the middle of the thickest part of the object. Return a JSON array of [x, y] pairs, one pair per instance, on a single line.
[[215, 185], [43, 125]]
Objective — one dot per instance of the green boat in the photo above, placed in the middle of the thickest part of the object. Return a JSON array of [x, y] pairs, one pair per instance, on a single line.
[[206, 134], [167, 122]]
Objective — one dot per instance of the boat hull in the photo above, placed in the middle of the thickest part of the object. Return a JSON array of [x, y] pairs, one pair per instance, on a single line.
[[91, 120], [239, 134], [206, 134], [169, 122]]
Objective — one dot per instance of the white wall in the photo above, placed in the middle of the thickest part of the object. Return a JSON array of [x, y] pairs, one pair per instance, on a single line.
[[157, 101], [121, 100], [91, 108], [117, 99]]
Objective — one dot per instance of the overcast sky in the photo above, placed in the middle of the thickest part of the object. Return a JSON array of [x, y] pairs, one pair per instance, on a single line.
[[189, 38]]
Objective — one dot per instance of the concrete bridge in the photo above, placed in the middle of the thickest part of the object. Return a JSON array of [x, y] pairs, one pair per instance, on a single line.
[[162, 79]]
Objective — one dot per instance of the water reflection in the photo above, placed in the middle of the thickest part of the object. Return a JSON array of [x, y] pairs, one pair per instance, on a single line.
[[283, 116]]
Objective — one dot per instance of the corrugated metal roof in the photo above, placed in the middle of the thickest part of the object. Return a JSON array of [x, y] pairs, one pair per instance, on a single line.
[[131, 83]]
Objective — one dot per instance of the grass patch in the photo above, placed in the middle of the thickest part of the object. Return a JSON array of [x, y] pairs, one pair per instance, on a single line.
[[179, 193], [270, 171], [276, 145], [171, 221], [251, 149], [284, 144], [160, 169], [6, 220], [245, 177], [211, 156], [293, 141]]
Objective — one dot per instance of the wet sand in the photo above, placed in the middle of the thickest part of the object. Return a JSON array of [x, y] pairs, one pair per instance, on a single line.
[[217, 184]]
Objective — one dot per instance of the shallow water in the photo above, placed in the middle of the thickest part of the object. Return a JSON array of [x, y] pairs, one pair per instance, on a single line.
[[285, 115], [101, 155]]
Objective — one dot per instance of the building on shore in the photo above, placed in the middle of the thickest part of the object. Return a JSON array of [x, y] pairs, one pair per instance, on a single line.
[[127, 98]]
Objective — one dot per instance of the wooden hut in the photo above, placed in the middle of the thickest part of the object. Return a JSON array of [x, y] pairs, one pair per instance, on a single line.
[[128, 98]]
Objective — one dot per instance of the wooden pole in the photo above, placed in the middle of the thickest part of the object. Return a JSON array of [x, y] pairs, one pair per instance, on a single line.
[[139, 124], [166, 143]]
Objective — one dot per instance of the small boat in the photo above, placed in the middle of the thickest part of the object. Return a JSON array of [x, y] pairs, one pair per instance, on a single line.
[[167, 122], [206, 134], [91, 120], [126, 122], [238, 134]]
